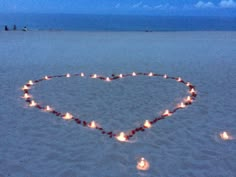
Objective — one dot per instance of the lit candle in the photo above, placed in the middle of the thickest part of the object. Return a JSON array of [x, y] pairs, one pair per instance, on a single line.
[[166, 113], [188, 84], [179, 79], [147, 124], [67, 116], [182, 105], [121, 137], [134, 74], [189, 99], [94, 76], [30, 82], [48, 108], [25, 87], [225, 136], [120, 75], [68, 75], [46, 78], [82, 74], [92, 124], [108, 79], [26, 96], [165, 76], [150, 74], [192, 91], [32, 103], [143, 164]]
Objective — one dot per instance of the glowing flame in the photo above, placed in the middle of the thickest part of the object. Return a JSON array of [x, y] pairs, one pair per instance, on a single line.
[[165, 76], [31, 82], [189, 99], [225, 136], [67, 116], [143, 164], [92, 124], [182, 105], [94, 76], [166, 113], [121, 137], [26, 96], [48, 108], [150, 74], [188, 84], [108, 79], [67, 75], [46, 78], [82, 74], [192, 91], [179, 79], [134, 74], [120, 75], [147, 124], [25, 87], [32, 103]]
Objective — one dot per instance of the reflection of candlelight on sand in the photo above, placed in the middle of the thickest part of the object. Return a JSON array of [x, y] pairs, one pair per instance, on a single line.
[[143, 164], [67, 116], [225, 136], [147, 124], [32, 103], [166, 113], [92, 124], [121, 137]]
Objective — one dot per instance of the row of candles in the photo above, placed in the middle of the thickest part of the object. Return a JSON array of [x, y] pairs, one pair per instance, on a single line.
[[122, 136]]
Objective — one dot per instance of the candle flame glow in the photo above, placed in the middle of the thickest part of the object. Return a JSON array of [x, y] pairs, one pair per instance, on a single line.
[[147, 124], [120, 75], [192, 91], [165, 76], [189, 99], [26, 96], [48, 108], [108, 79], [46, 78], [92, 124], [32, 103], [94, 76], [179, 79], [143, 164], [225, 136], [82, 74], [68, 75], [121, 137], [166, 113], [67, 116], [182, 105], [134, 74], [30, 82], [25, 87], [188, 84], [150, 74]]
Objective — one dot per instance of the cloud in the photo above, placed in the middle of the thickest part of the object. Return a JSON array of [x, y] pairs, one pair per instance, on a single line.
[[201, 4], [137, 5], [227, 4], [117, 5]]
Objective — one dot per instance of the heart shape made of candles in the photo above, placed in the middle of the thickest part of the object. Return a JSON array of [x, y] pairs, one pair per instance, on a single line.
[[121, 136]]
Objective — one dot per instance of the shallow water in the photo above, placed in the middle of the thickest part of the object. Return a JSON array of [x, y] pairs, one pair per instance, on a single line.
[[38, 144]]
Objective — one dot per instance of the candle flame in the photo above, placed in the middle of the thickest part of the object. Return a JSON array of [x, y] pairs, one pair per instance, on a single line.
[[67, 116], [82, 74], [25, 87], [192, 91], [108, 79], [147, 124], [143, 164], [32, 103], [121, 137], [94, 76], [165, 76], [189, 99], [134, 74], [26, 96], [92, 124], [182, 105], [46, 78], [179, 79], [225, 136], [68, 75], [166, 113], [120, 75], [150, 74], [48, 108], [31, 82], [188, 84]]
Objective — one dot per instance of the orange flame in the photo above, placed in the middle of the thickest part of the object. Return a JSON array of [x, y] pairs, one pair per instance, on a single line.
[[147, 124], [92, 124], [121, 137], [143, 164], [32, 103], [67, 116]]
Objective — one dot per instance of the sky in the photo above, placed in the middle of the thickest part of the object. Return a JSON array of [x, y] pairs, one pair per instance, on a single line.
[[148, 7]]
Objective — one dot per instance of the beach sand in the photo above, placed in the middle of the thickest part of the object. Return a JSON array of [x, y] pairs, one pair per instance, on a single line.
[[37, 144]]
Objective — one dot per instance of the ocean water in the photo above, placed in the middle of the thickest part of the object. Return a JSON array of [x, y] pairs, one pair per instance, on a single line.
[[36, 144], [73, 22]]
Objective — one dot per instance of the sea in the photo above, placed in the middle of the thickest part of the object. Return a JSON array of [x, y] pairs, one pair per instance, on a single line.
[[83, 22]]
